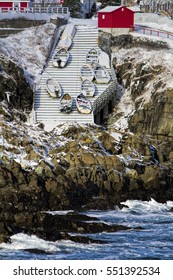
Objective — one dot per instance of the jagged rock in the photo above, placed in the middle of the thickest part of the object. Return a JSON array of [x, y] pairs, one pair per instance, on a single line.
[[171, 156], [53, 227], [85, 166], [14, 88], [155, 119]]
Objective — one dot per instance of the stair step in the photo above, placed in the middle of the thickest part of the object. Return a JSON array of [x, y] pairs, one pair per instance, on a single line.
[[47, 109]]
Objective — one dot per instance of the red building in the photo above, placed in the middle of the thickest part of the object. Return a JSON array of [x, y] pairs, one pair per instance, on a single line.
[[116, 17], [12, 4]]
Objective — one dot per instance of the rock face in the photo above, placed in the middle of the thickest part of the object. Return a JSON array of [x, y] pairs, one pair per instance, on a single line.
[[76, 167], [108, 43], [15, 89], [81, 167], [146, 81]]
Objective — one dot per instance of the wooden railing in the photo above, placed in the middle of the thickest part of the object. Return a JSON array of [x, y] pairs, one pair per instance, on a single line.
[[48, 10], [153, 32]]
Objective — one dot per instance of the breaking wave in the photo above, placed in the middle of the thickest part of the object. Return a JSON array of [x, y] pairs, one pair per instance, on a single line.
[[150, 237]]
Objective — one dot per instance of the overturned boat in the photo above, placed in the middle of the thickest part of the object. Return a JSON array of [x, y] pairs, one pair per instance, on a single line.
[[67, 37]]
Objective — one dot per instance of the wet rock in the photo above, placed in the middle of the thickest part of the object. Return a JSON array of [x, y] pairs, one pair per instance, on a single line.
[[72, 226], [84, 167], [85, 240], [54, 227], [37, 251], [4, 239]]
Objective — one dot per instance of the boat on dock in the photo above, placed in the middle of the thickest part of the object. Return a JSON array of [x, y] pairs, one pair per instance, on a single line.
[[66, 103], [102, 75], [83, 104], [92, 56], [87, 88], [60, 58], [53, 88], [67, 37], [65, 43], [87, 72]]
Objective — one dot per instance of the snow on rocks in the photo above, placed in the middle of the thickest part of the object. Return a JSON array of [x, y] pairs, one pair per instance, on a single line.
[[29, 49]]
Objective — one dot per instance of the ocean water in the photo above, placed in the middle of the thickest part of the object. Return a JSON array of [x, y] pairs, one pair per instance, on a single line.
[[154, 242]]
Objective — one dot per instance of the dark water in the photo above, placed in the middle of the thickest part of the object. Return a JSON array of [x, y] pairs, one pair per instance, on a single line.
[[155, 241]]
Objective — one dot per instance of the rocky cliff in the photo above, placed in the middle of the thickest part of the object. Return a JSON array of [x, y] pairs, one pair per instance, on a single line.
[[15, 89], [79, 167], [143, 69]]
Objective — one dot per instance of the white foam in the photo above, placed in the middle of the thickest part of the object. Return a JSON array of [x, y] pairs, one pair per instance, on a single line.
[[23, 241], [151, 206]]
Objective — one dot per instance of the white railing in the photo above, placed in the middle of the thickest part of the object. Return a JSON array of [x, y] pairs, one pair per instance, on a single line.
[[48, 10], [153, 32]]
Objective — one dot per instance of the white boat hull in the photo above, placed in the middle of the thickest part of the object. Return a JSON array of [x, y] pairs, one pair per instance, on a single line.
[[87, 72], [53, 88], [60, 58], [102, 75], [92, 56], [87, 88], [66, 103], [83, 104]]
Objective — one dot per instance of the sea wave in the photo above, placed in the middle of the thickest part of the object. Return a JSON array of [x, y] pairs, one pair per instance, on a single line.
[[152, 241]]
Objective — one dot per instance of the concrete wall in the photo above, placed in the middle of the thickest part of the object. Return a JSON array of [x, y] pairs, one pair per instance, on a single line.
[[116, 31], [12, 26], [20, 23], [15, 25]]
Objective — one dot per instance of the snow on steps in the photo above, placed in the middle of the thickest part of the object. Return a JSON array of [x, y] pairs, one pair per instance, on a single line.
[[47, 110]]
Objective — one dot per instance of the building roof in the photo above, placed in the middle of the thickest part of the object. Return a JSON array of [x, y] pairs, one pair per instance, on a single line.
[[110, 9]]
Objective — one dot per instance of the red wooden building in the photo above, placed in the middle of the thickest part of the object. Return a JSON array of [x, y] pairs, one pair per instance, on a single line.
[[116, 17], [12, 4]]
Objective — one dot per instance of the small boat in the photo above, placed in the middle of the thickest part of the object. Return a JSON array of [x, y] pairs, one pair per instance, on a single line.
[[102, 75], [66, 103], [69, 31], [67, 37], [87, 72], [64, 43], [53, 88], [83, 104], [92, 56], [87, 88], [60, 58]]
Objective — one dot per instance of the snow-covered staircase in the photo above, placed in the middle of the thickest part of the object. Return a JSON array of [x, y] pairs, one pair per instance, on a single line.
[[47, 109]]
